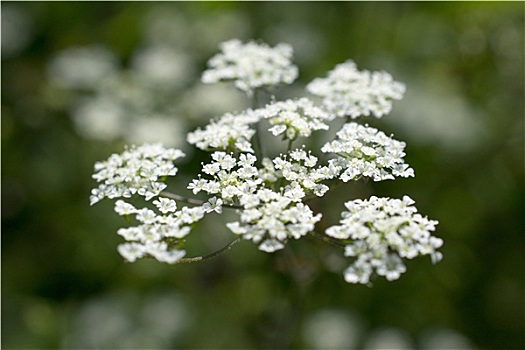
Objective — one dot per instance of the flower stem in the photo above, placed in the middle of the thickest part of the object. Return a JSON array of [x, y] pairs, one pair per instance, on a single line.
[[193, 201], [328, 239], [289, 148], [259, 152], [181, 198], [209, 256]]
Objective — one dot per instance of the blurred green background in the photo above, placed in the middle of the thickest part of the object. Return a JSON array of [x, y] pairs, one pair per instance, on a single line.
[[64, 284]]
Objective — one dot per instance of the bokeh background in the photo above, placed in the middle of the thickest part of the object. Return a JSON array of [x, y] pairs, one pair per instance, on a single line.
[[82, 79]]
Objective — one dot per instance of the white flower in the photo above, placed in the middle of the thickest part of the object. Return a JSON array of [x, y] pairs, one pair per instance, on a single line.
[[294, 118], [229, 191], [213, 204], [236, 228], [146, 216], [159, 250], [137, 170], [166, 205], [294, 192], [391, 267], [123, 208], [191, 215], [211, 169], [229, 132], [358, 273], [224, 160], [169, 256], [270, 194], [197, 185], [130, 233], [301, 172], [364, 151], [251, 65], [156, 232], [232, 178], [349, 92], [131, 251], [246, 160], [275, 219], [271, 245], [382, 231]]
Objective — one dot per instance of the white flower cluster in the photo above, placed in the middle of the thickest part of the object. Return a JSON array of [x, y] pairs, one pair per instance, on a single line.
[[382, 231], [138, 170], [231, 131], [350, 92], [274, 220], [364, 151], [302, 175], [293, 118], [232, 178], [251, 65], [270, 193], [158, 234], [267, 217]]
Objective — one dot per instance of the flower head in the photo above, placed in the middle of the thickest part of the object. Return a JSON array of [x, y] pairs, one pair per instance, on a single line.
[[299, 169], [267, 217], [231, 131], [294, 118], [138, 170], [274, 220], [364, 151], [350, 92], [270, 193], [251, 65], [383, 231], [157, 235]]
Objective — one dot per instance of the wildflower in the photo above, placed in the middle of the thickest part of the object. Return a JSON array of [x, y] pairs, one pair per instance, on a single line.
[[123, 208], [138, 170], [350, 92], [153, 236], [229, 132], [165, 205], [300, 171], [274, 221], [271, 245], [251, 65], [197, 185], [364, 151], [131, 251], [382, 231], [213, 204], [294, 118], [270, 194]]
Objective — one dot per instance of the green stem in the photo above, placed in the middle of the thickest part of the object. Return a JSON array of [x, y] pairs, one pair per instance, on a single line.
[[259, 151], [289, 148], [328, 239], [180, 198], [193, 201], [209, 256]]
